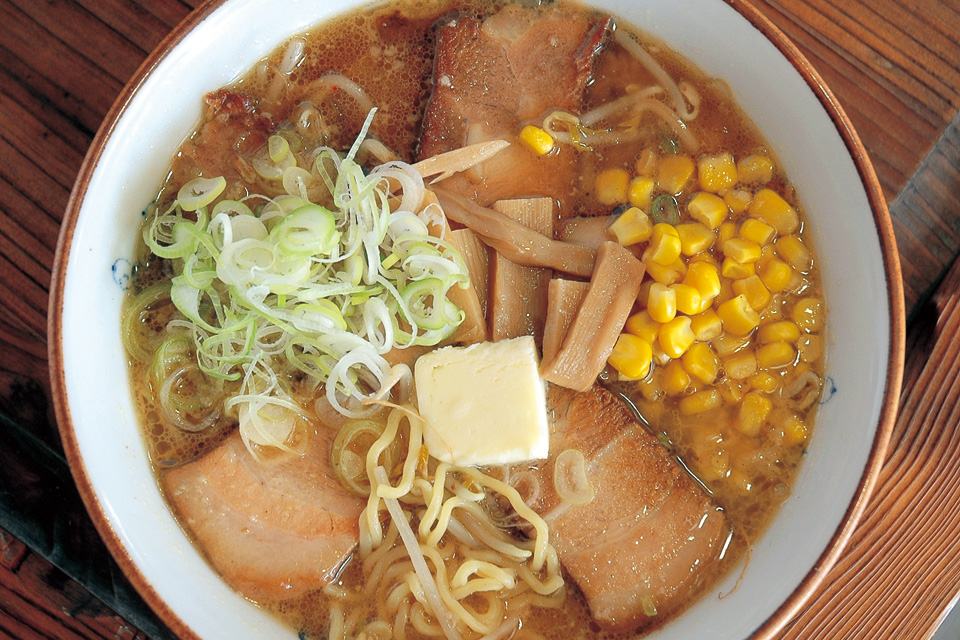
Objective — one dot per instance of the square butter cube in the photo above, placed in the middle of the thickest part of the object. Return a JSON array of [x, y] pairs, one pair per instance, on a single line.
[[483, 404]]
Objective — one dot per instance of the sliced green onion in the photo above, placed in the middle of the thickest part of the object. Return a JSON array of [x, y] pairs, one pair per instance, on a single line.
[[311, 229], [349, 453], [331, 288], [200, 192], [231, 207], [173, 354], [664, 208], [132, 324], [277, 148]]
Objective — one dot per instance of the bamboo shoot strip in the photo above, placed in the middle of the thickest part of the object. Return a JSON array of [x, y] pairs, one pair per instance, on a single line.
[[476, 256], [513, 240], [612, 291], [564, 298], [518, 294], [451, 162]]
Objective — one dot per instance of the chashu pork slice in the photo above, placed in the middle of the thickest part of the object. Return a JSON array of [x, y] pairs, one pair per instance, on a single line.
[[272, 530], [491, 76], [649, 534]]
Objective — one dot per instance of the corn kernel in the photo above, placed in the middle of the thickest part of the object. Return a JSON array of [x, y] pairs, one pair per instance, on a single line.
[[676, 336], [713, 465], [731, 391], [779, 331], [738, 317], [726, 292], [701, 402], [727, 344], [767, 253], [662, 303], [754, 409], [673, 173], [659, 357], [770, 207], [776, 274], [738, 200], [740, 366], [737, 270], [795, 431], [755, 169], [765, 382], [664, 274], [741, 482], [743, 251], [706, 325], [775, 355], [694, 238], [810, 348], [808, 314], [752, 288], [648, 389], [701, 362], [640, 191], [792, 249], [644, 293], [726, 231], [705, 278], [675, 378], [647, 162], [689, 300], [708, 209], [664, 246], [536, 139], [757, 231], [631, 356], [631, 226], [642, 325], [612, 186], [717, 172]]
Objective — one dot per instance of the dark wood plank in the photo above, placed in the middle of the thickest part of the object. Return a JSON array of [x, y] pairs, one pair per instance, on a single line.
[[38, 601], [66, 68], [69, 23], [928, 213]]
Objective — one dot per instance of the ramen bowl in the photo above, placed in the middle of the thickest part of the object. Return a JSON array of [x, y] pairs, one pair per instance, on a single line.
[[779, 91]]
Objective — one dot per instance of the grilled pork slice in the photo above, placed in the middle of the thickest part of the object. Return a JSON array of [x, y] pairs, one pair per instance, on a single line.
[[649, 534], [491, 76], [273, 531]]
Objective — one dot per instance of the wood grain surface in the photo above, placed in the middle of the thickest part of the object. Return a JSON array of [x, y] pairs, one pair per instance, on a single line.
[[894, 66]]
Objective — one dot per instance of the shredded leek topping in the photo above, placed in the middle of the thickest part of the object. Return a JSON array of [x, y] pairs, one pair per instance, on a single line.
[[267, 283]]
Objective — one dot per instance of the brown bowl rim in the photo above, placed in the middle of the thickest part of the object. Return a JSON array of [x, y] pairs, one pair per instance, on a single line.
[[773, 34]]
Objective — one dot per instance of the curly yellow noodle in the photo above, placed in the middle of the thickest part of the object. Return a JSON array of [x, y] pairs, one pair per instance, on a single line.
[[522, 510], [436, 499], [484, 578]]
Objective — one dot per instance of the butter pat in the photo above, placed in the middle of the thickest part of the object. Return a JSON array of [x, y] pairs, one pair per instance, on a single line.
[[483, 404]]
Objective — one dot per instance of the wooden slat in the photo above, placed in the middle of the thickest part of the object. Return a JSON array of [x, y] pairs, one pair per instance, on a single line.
[[58, 62], [894, 67], [927, 217], [67, 22], [899, 572], [38, 601]]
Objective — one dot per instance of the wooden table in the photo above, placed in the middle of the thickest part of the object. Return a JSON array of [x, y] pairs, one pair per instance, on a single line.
[[894, 66]]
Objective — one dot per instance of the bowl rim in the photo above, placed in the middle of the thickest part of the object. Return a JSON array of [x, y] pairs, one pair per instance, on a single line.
[[878, 207]]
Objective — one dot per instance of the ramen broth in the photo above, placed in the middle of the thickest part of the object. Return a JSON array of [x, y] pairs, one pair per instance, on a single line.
[[747, 466]]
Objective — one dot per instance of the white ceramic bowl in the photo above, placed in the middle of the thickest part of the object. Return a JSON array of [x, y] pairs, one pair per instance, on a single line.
[[777, 88]]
